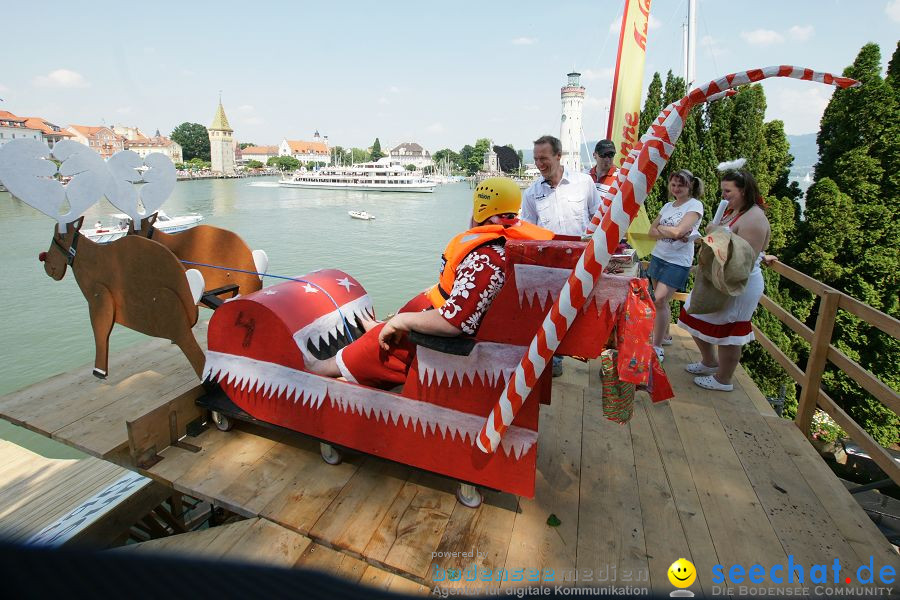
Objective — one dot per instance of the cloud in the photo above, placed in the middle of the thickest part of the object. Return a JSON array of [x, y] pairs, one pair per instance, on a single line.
[[394, 89], [893, 10], [124, 110], [523, 41], [383, 100], [615, 26], [435, 128], [187, 73], [61, 78], [597, 101], [594, 74], [531, 108], [3, 88], [801, 109], [800, 33], [762, 37], [252, 120], [654, 23], [245, 108]]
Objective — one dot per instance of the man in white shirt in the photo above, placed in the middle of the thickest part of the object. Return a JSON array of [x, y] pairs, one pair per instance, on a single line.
[[562, 201]]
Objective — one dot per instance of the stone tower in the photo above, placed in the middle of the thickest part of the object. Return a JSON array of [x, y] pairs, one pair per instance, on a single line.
[[570, 127], [221, 144]]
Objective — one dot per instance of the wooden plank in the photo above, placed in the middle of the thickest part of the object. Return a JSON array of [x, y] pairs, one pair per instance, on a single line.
[[158, 429], [787, 318], [485, 534], [848, 517], [349, 523], [575, 373], [740, 530], [664, 533], [269, 543], [103, 432], [311, 487], [865, 379], [872, 316], [684, 490], [805, 281], [804, 528], [533, 543], [330, 561], [412, 528], [376, 578], [209, 543], [818, 356], [610, 530]]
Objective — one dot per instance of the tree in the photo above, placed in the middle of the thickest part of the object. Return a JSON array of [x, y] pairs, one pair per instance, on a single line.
[[446, 154], [193, 139], [476, 157], [283, 163], [243, 145], [410, 167], [465, 157], [254, 164], [376, 150], [849, 239]]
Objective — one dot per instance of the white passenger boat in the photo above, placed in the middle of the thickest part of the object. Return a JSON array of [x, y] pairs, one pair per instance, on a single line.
[[103, 234], [378, 176], [360, 214]]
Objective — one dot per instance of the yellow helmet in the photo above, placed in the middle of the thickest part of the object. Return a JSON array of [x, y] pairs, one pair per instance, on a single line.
[[495, 196]]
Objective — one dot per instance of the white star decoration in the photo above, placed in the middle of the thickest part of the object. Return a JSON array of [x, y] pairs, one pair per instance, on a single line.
[[346, 283], [310, 289], [270, 292]]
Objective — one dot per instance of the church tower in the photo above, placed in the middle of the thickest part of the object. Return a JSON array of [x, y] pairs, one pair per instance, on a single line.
[[570, 127], [221, 144]]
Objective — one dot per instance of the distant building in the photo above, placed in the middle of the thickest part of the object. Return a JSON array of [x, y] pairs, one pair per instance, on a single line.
[[129, 133], [315, 151], [410, 153], [13, 127], [100, 139], [490, 161], [158, 143], [572, 95], [260, 153], [221, 144]]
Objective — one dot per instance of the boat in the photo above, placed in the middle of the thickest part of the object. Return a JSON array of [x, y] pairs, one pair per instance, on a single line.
[[103, 234], [360, 214], [380, 176]]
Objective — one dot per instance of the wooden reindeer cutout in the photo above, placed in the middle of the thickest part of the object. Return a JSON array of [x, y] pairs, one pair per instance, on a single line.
[[133, 281]]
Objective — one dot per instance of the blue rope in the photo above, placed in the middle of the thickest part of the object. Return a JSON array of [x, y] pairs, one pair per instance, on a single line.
[[297, 279]]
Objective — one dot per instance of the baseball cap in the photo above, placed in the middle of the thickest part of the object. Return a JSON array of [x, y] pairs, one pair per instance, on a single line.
[[605, 147]]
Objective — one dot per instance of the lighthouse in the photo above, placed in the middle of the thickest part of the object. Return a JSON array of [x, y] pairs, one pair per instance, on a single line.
[[572, 95]]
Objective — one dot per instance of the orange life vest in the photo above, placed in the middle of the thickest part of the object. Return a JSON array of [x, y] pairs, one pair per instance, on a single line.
[[461, 245]]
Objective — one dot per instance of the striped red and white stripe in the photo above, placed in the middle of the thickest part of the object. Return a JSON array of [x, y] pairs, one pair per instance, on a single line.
[[636, 178]]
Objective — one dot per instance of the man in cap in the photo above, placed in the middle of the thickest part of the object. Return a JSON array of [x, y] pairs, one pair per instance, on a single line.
[[603, 172]]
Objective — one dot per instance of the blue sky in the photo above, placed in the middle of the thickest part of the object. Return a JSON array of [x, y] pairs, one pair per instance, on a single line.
[[442, 74]]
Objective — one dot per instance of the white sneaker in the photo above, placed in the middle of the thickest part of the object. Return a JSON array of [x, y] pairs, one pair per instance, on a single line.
[[660, 353], [698, 368], [667, 341], [711, 383]]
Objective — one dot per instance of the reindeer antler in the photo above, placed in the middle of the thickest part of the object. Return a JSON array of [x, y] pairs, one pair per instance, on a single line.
[[29, 176], [124, 195], [90, 178]]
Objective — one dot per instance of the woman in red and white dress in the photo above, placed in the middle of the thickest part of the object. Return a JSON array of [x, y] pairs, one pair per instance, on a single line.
[[721, 335]]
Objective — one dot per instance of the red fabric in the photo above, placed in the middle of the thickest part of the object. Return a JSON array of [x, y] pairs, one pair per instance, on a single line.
[[724, 330], [606, 179], [476, 286], [637, 362]]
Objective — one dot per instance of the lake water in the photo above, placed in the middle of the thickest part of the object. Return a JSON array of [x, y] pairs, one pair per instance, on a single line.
[[45, 328]]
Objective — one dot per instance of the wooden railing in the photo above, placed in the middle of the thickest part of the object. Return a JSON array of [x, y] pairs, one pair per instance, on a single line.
[[822, 351]]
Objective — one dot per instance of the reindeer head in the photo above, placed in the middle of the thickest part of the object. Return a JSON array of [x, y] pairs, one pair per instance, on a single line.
[[62, 250]]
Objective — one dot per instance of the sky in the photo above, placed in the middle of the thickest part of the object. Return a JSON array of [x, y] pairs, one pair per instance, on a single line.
[[438, 73]]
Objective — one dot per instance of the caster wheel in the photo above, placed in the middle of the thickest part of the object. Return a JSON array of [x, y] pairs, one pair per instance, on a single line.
[[330, 454], [222, 422], [468, 495]]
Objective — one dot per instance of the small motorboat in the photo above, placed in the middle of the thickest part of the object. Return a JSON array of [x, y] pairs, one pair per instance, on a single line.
[[103, 234], [360, 214]]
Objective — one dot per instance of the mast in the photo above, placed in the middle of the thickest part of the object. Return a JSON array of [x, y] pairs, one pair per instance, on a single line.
[[691, 44]]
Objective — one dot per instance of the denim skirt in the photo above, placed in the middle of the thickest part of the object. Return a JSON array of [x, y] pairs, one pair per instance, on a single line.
[[674, 276]]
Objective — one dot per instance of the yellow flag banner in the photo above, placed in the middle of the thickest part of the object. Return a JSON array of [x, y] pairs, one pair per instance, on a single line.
[[625, 107]]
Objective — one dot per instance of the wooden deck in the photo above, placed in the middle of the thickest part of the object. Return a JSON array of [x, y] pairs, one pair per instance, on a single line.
[[713, 477], [68, 501]]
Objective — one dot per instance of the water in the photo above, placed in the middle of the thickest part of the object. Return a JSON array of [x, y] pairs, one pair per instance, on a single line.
[[45, 327]]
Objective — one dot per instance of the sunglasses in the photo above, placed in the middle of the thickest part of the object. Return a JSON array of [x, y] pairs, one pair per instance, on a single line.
[[607, 155]]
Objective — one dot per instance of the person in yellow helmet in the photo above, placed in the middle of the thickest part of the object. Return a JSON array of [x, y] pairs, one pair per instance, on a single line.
[[471, 275]]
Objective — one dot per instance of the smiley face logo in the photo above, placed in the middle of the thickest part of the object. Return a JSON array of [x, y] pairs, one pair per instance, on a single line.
[[682, 573]]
